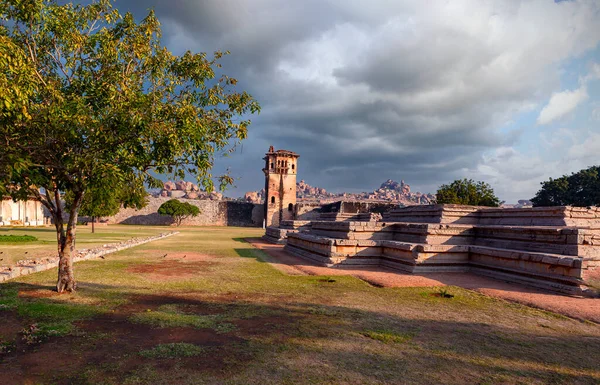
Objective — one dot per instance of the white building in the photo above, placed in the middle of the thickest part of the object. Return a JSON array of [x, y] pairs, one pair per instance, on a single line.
[[22, 213]]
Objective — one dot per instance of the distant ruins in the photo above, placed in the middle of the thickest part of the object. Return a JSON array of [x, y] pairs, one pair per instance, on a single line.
[[22, 213], [280, 185], [556, 248]]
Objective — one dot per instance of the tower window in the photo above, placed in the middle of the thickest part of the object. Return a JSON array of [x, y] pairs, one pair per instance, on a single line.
[[272, 164], [292, 166], [290, 207], [272, 199]]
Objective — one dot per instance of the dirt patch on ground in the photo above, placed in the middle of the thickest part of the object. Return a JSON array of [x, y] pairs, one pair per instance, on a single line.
[[37, 293], [109, 346], [10, 326], [170, 269], [188, 256], [579, 308]]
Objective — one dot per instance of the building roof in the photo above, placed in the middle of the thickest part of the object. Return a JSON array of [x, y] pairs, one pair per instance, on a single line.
[[282, 152]]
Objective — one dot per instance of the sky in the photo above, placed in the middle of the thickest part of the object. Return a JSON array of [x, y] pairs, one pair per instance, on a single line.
[[503, 91]]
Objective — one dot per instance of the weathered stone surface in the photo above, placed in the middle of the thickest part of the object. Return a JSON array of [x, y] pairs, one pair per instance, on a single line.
[[216, 196], [177, 194], [181, 185], [192, 195], [169, 186], [252, 197], [212, 213], [531, 246]]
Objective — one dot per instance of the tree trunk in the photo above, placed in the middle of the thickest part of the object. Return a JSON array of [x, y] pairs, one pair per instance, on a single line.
[[66, 278], [93, 221], [66, 247]]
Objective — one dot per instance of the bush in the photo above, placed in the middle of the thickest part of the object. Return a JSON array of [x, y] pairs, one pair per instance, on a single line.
[[578, 189], [17, 238], [178, 210], [467, 192]]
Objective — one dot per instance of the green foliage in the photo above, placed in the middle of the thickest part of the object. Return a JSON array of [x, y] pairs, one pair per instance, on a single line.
[[173, 350], [467, 192], [91, 102], [178, 210], [581, 189], [38, 333], [17, 238]]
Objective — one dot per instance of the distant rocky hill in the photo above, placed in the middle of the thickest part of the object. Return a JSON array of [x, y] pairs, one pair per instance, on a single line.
[[188, 190], [390, 191]]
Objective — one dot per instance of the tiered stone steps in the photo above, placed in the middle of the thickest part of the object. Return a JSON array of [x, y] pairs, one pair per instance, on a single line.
[[279, 234], [557, 258]]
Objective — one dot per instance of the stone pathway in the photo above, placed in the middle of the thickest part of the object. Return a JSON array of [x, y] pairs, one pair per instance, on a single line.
[[575, 307]]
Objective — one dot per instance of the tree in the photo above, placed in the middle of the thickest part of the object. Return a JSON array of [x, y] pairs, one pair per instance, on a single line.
[[104, 203], [467, 192], [92, 103], [178, 210], [578, 189]]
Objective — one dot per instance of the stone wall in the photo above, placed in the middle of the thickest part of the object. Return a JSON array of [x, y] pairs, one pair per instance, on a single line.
[[306, 211], [212, 213], [352, 207], [22, 213]]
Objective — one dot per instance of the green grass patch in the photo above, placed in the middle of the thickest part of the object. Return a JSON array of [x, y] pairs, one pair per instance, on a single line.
[[387, 336], [174, 350], [40, 332], [171, 316], [17, 238], [56, 311]]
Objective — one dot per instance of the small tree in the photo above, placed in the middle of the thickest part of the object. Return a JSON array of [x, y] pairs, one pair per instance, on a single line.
[[102, 203], [178, 210], [91, 101], [581, 189], [467, 192]]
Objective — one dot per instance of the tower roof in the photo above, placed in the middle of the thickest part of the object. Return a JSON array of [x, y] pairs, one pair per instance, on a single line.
[[282, 152]]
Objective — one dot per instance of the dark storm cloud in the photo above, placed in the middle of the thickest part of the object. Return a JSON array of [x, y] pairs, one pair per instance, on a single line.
[[371, 91]]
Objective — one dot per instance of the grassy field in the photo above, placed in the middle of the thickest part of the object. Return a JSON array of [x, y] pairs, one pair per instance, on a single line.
[[203, 308], [45, 245]]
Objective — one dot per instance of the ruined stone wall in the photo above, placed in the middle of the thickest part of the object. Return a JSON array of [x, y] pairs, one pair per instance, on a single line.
[[212, 213], [352, 207], [306, 211], [21, 213]]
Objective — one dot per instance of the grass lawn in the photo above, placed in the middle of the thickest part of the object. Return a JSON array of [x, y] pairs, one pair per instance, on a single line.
[[45, 245], [202, 307]]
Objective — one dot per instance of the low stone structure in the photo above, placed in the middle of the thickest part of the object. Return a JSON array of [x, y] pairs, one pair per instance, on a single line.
[[212, 213], [22, 213], [556, 248], [31, 266]]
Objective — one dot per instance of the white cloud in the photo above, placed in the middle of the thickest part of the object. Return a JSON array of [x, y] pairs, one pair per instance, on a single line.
[[587, 150], [561, 103], [596, 114], [594, 73], [418, 89]]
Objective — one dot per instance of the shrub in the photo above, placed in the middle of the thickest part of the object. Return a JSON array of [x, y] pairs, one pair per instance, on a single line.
[[178, 210], [17, 238], [467, 192]]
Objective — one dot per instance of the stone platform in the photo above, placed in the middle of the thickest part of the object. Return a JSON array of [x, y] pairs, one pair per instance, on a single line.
[[555, 248]]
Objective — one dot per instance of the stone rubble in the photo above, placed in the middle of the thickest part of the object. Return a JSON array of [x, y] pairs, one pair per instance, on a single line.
[[29, 266]]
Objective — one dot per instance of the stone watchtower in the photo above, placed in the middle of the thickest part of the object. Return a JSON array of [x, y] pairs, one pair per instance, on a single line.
[[280, 171]]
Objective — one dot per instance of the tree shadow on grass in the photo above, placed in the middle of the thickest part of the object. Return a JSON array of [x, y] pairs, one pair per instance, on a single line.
[[295, 342]]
